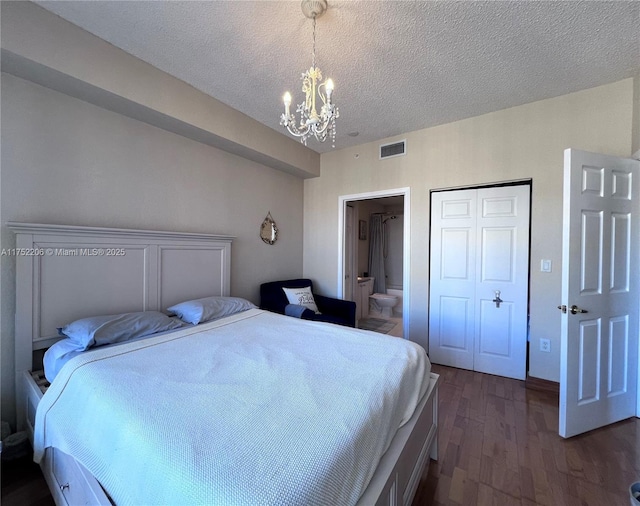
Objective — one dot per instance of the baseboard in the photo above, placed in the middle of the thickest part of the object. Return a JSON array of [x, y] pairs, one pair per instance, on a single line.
[[542, 385]]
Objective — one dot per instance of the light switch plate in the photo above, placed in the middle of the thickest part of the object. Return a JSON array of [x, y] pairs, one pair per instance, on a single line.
[[545, 265]]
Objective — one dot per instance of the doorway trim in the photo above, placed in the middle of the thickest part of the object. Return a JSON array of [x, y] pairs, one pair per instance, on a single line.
[[406, 242]]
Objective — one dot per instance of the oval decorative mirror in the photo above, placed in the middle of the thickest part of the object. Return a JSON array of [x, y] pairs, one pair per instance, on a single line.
[[268, 230]]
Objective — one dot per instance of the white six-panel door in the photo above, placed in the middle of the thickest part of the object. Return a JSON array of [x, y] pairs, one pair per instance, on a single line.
[[600, 291], [479, 274]]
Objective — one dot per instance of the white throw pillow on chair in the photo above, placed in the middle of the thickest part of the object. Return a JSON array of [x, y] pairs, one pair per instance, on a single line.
[[301, 297]]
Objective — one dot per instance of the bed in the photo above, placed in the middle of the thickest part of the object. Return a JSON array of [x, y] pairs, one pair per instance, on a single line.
[[248, 408]]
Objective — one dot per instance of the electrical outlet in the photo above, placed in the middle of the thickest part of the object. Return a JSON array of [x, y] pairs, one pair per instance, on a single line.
[[545, 345]]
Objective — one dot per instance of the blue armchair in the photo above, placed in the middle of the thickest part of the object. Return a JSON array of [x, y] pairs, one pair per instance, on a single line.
[[273, 298]]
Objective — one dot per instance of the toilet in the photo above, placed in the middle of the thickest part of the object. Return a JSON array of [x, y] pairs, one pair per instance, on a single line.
[[383, 303]]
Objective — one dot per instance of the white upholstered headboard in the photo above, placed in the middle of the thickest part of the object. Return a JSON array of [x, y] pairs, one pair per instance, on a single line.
[[68, 272]]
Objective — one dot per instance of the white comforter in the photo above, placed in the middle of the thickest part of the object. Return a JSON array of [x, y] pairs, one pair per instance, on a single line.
[[257, 408]]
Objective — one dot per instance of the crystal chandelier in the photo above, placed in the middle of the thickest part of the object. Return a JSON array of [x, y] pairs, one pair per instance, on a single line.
[[321, 125]]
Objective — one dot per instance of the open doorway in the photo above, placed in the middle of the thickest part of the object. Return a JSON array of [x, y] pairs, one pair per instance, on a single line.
[[373, 258]]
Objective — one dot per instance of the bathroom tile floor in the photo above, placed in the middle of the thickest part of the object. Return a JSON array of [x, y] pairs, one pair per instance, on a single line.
[[396, 331]]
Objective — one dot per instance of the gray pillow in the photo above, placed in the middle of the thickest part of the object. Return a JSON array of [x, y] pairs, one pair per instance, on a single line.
[[209, 308], [108, 329]]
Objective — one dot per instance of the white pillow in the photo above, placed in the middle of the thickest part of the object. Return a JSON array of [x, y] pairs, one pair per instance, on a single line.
[[301, 297]]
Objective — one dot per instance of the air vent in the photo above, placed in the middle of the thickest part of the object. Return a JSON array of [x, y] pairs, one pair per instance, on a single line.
[[393, 149]]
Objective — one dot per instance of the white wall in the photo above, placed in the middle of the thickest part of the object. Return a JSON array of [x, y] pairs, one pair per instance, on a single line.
[[636, 116], [70, 162], [517, 143]]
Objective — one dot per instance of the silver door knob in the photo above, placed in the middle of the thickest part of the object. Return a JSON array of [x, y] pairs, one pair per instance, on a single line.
[[497, 300], [575, 310]]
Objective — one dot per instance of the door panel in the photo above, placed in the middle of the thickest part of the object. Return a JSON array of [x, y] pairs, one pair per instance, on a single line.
[[591, 251], [494, 323], [497, 255], [454, 313], [599, 347], [590, 357], [620, 252], [501, 329], [618, 355], [479, 255], [452, 284], [455, 249]]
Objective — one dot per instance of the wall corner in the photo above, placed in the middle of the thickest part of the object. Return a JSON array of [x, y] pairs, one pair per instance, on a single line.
[[635, 126]]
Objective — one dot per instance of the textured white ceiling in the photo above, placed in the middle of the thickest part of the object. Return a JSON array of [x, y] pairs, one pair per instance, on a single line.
[[398, 66]]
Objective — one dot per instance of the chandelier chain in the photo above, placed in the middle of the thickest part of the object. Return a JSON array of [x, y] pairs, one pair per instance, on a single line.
[[313, 53]]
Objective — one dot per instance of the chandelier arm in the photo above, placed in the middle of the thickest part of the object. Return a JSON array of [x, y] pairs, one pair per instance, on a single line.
[[323, 129], [299, 133], [290, 124], [322, 95]]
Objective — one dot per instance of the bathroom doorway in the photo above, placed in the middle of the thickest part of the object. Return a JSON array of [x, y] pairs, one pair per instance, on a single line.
[[373, 243]]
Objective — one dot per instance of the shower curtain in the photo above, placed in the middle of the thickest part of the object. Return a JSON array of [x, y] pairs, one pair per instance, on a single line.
[[376, 253]]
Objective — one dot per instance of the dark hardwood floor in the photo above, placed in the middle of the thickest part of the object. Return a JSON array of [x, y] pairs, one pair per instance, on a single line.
[[498, 445], [23, 484]]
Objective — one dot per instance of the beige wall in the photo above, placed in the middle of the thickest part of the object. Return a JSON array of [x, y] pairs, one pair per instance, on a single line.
[[70, 162], [112, 141], [517, 143], [44, 48]]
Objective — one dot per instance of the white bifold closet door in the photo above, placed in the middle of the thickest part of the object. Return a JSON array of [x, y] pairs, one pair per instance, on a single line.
[[479, 276]]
